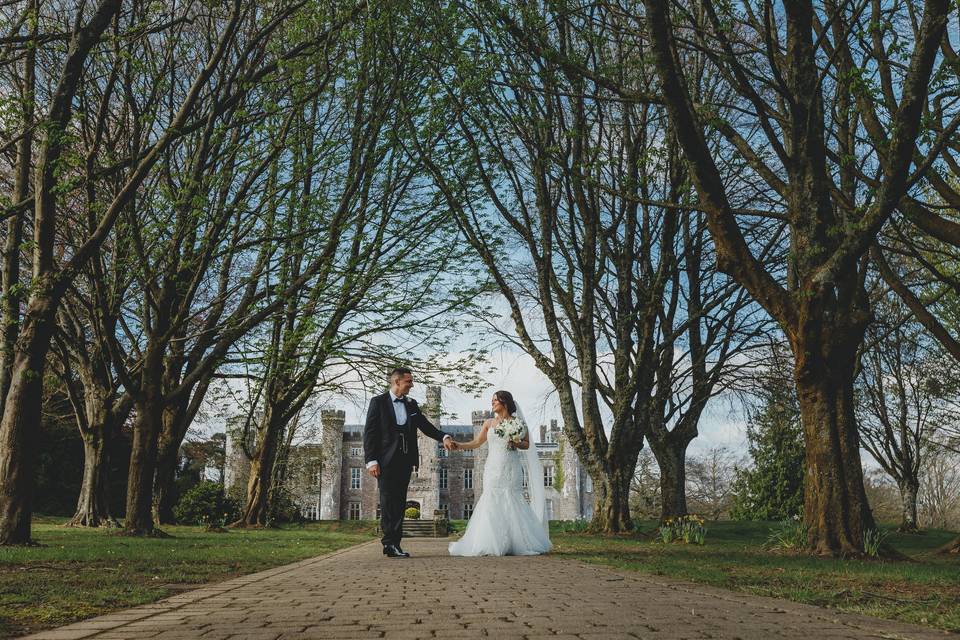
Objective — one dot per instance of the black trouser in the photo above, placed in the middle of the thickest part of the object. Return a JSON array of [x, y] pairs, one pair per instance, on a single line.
[[393, 482]]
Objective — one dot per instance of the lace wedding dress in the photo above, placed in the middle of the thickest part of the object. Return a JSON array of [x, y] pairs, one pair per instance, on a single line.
[[503, 521]]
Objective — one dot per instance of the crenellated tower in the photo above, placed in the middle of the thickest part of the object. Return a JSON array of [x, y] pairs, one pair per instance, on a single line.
[[331, 443], [424, 484], [477, 418]]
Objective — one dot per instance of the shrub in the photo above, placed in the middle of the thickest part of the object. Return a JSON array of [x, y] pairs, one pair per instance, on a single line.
[[412, 513], [789, 535], [283, 509], [206, 504]]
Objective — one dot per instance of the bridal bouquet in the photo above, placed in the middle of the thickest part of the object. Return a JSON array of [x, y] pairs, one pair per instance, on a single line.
[[511, 429]]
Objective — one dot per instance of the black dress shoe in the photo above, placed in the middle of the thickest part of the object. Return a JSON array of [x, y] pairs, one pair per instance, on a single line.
[[393, 551]]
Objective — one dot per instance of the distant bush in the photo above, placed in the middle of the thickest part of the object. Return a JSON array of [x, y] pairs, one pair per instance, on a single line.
[[206, 504], [284, 509]]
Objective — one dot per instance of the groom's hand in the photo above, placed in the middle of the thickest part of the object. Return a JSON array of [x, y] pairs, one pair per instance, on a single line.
[[449, 444], [374, 470]]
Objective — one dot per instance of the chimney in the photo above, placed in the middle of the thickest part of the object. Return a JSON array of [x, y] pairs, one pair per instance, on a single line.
[[543, 433]]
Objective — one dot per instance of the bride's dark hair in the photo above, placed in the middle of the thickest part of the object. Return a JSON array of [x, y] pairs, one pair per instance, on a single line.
[[506, 399]]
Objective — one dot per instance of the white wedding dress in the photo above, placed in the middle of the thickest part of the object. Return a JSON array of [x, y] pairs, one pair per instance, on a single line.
[[503, 522]]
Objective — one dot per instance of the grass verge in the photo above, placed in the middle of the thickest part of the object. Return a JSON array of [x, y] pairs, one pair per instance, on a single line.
[[81, 573], [924, 589]]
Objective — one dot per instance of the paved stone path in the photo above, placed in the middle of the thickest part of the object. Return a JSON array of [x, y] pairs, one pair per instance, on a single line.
[[357, 593]]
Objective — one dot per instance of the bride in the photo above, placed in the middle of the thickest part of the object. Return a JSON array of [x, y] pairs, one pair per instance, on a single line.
[[503, 522]]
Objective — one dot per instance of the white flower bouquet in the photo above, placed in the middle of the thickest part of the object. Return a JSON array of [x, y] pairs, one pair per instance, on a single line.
[[512, 429]]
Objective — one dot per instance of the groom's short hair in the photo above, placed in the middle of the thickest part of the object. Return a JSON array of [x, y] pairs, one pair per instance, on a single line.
[[399, 372]]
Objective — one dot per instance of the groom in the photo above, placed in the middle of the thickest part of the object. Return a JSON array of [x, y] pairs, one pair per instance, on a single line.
[[390, 451]]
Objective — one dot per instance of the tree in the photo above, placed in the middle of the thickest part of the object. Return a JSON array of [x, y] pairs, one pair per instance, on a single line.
[[898, 410], [645, 500], [576, 202], [777, 62], [772, 487], [711, 481], [99, 407], [54, 268], [27, 333], [377, 262], [940, 492]]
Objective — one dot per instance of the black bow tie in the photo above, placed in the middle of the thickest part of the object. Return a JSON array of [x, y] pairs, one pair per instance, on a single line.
[[398, 399]]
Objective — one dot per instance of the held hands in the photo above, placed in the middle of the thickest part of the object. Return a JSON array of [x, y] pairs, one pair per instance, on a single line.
[[450, 444]]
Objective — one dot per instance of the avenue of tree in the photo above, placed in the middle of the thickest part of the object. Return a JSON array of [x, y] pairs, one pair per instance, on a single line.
[[673, 200]]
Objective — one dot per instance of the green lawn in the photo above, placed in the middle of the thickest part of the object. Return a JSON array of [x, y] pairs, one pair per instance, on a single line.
[[923, 590], [79, 573]]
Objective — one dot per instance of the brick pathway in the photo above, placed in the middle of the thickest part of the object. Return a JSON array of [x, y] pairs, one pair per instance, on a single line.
[[357, 593]]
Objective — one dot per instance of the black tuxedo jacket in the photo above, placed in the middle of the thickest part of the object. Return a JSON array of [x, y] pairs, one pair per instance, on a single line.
[[381, 435]]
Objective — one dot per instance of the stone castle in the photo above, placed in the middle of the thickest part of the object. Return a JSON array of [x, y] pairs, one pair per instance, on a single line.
[[328, 481]]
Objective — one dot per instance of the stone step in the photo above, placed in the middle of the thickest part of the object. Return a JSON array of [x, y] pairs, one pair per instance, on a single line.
[[423, 529]]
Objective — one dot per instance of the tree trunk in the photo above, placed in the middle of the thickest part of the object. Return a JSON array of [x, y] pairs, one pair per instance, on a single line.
[[836, 511], [143, 464], [93, 507], [671, 455], [163, 483], [256, 511], [21, 421], [168, 455], [611, 510], [10, 318], [908, 495]]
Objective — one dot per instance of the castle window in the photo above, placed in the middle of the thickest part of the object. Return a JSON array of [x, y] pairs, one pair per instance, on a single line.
[[441, 452], [356, 452], [467, 510], [446, 510], [523, 474], [548, 476], [443, 478], [311, 512], [468, 479], [354, 477], [378, 512], [354, 511]]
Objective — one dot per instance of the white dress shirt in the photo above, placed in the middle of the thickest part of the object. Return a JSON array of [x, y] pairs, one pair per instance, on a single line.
[[400, 409]]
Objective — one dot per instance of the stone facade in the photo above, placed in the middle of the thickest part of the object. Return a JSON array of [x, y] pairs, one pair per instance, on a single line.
[[341, 489]]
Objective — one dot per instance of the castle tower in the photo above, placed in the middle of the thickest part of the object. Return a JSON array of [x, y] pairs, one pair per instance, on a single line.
[[425, 483], [428, 446], [477, 418], [331, 443], [236, 467]]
